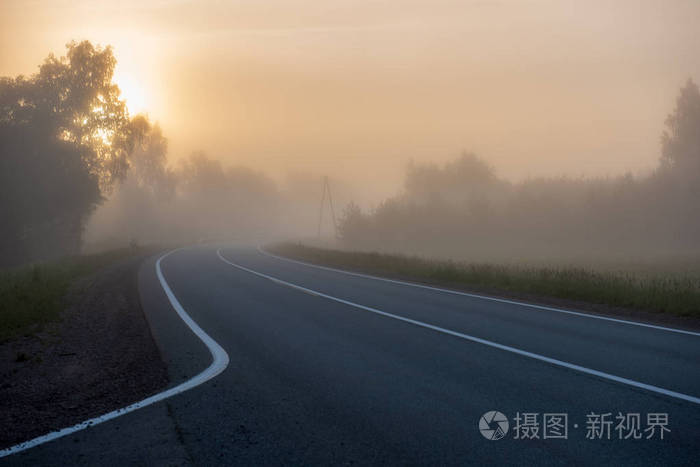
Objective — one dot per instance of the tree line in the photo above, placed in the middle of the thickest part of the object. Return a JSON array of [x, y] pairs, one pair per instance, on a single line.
[[463, 209], [68, 146]]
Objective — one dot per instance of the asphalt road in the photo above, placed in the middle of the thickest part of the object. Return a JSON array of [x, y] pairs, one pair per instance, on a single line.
[[341, 369]]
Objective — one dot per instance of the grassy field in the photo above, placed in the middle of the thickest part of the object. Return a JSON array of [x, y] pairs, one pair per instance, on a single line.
[[662, 292], [32, 296]]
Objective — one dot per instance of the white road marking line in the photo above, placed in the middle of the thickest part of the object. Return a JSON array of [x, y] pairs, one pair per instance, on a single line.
[[482, 297], [219, 363], [524, 353]]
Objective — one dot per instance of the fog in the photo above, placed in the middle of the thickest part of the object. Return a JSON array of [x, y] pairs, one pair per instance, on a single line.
[[235, 111], [541, 88], [201, 200]]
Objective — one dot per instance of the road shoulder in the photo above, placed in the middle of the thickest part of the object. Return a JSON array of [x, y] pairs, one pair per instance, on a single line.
[[100, 356]]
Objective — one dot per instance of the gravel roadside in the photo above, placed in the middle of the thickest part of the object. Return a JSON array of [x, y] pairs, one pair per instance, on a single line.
[[100, 356]]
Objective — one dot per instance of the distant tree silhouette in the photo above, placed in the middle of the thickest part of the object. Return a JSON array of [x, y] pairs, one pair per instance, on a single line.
[[352, 226], [200, 175], [463, 208], [148, 158], [681, 142], [464, 179], [65, 138]]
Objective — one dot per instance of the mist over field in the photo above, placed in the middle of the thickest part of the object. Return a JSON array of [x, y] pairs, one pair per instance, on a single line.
[[484, 131]]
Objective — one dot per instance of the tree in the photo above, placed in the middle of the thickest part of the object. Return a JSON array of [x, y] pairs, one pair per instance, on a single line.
[[681, 141], [65, 138], [458, 181], [353, 226], [201, 176], [148, 158]]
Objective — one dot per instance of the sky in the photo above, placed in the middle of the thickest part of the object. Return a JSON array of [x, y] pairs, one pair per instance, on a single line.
[[356, 89]]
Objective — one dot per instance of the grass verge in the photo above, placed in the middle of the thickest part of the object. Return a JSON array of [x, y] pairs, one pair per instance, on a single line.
[[661, 293], [32, 296]]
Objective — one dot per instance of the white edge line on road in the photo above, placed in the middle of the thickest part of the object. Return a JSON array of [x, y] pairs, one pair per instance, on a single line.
[[524, 353], [482, 297], [218, 364]]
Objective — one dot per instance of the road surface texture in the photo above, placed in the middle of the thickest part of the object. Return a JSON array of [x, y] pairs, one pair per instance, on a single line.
[[315, 379]]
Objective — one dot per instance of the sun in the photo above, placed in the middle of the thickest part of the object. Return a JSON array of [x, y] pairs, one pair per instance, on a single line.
[[132, 92]]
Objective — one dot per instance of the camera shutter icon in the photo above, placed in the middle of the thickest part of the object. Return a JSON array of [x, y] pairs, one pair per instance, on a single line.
[[493, 425]]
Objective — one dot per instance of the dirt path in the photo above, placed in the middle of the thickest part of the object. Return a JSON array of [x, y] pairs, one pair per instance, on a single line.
[[100, 357]]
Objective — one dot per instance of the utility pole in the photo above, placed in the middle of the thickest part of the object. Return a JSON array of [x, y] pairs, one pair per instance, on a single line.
[[327, 189]]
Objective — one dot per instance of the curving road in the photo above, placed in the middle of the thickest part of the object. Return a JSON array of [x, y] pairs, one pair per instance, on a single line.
[[332, 368]]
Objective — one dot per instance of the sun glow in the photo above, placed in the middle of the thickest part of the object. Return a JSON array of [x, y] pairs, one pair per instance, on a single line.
[[131, 92], [105, 136]]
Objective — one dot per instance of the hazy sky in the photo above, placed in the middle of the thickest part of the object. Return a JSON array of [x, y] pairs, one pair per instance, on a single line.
[[358, 88]]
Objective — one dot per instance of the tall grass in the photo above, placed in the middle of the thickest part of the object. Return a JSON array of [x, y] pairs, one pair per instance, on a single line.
[[32, 296], [677, 294]]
